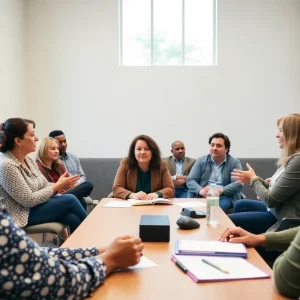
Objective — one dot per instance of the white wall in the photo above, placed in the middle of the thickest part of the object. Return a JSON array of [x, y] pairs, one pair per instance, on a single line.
[[74, 82], [11, 58]]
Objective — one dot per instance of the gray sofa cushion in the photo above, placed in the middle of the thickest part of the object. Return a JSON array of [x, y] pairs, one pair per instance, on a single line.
[[102, 171], [263, 167]]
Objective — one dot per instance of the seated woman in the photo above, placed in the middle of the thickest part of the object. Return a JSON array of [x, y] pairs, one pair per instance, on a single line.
[[286, 269], [143, 175], [52, 167], [281, 195], [28, 271], [24, 191]]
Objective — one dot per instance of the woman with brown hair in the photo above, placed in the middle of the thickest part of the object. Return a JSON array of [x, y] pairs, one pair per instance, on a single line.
[[143, 175], [24, 191]]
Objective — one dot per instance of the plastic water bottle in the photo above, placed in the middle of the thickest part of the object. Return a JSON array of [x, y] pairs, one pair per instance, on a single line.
[[212, 197]]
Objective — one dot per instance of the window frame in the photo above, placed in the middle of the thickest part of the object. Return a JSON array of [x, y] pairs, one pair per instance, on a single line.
[[214, 46]]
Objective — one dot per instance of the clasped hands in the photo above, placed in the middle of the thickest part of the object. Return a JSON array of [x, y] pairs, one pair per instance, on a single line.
[[203, 192], [143, 196], [179, 182]]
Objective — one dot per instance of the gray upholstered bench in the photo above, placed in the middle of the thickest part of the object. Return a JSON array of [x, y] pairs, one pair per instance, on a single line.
[[102, 171]]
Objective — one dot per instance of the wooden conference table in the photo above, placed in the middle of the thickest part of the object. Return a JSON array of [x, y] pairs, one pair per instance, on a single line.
[[165, 281]]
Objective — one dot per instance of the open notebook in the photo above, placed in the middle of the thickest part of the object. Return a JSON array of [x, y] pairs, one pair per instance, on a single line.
[[199, 271], [211, 248], [149, 202]]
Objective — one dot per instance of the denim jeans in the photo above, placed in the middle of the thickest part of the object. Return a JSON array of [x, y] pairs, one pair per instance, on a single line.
[[65, 209], [82, 190], [253, 216], [224, 201], [181, 193]]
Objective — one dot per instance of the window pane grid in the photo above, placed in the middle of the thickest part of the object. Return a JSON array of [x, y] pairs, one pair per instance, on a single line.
[[172, 32]]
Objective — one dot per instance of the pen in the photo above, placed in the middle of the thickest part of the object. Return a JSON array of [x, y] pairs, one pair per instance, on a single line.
[[214, 266], [181, 266]]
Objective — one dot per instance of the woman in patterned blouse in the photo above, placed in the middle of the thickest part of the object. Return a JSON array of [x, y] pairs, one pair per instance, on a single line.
[[24, 191], [28, 271]]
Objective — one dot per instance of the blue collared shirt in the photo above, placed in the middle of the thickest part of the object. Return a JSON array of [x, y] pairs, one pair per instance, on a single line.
[[72, 164], [216, 175], [178, 165]]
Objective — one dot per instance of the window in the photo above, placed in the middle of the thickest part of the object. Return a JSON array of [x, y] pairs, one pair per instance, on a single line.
[[167, 32]]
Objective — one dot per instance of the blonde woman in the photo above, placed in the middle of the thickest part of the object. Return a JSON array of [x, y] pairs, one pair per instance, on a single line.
[[52, 167], [280, 198], [282, 193], [48, 160]]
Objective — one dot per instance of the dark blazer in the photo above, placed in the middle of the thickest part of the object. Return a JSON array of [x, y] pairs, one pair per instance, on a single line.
[[126, 180], [186, 167]]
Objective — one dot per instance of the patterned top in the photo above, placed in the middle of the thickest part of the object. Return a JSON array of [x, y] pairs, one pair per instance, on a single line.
[[72, 164], [28, 271], [20, 187]]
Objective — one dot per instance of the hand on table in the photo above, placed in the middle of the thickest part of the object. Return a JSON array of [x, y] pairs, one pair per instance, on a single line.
[[151, 196], [124, 251], [138, 196], [239, 235]]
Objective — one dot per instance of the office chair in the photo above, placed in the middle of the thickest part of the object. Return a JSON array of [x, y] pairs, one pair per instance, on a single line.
[[53, 228]]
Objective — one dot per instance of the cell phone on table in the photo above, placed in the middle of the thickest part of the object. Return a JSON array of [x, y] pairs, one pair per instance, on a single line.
[[192, 213]]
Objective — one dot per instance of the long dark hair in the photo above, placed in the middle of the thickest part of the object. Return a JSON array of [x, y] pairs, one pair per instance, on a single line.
[[12, 128], [156, 155]]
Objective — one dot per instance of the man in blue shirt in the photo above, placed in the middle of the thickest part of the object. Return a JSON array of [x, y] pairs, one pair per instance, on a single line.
[[73, 166], [179, 167], [216, 167]]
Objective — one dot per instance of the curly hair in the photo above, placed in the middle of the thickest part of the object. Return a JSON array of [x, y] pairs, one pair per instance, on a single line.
[[156, 154]]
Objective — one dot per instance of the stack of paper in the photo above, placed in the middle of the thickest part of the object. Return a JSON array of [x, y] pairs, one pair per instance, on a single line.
[[210, 248], [217, 268]]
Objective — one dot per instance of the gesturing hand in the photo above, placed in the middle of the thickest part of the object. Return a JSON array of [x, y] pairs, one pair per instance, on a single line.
[[243, 176], [65, 181], [124, 251], [239, 235]]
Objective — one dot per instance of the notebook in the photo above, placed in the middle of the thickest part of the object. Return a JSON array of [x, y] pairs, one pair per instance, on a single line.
[[238, 268], [211, 248], [149, 202]]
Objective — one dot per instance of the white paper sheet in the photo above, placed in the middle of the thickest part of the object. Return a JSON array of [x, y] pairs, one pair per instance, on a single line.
[[238, 268], [144, 263], [190, 204], [117, 203]]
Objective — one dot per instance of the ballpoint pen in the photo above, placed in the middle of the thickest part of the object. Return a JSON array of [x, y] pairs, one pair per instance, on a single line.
[[214, 266], [181, 266]]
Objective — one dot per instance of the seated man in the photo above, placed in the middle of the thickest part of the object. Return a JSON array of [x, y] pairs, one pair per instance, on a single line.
[[72, 164], [179, 167], [216, 167]]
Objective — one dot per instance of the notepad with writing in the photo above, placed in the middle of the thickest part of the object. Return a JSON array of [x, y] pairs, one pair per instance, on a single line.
[[238, 268], [211, 248], [149, 202]]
